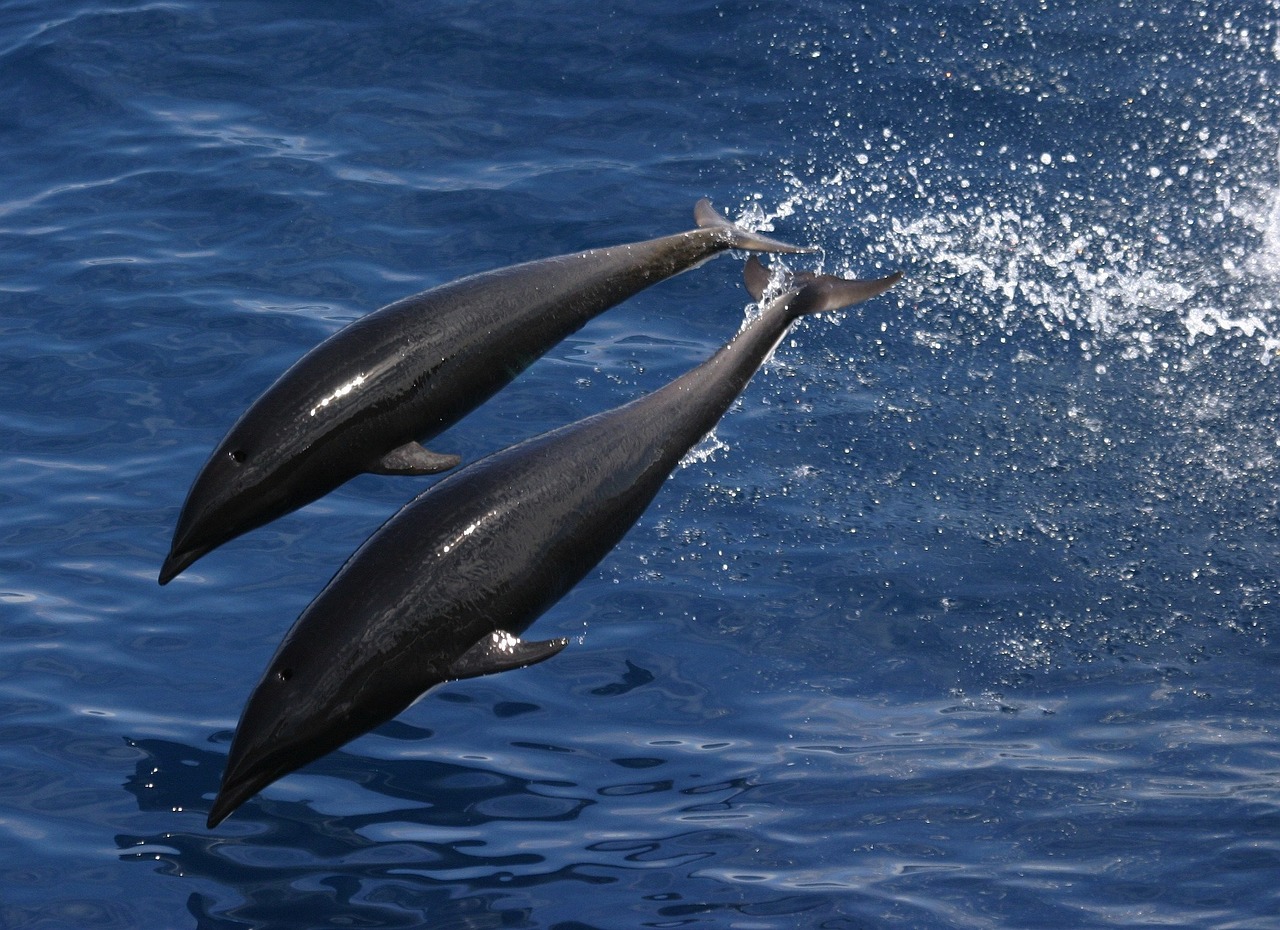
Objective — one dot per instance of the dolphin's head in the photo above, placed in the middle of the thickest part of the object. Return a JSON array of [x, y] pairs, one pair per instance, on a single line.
[[239, 488], [277, 734], [304, 707]]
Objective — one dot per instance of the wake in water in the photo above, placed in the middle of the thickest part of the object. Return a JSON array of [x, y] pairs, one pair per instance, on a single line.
[[1089, 386]]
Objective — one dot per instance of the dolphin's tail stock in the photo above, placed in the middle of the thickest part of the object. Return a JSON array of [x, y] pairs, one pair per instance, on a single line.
[[740, 238], [817, 293]]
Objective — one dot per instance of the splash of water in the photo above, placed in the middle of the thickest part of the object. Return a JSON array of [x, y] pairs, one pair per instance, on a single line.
[[1136, 289]]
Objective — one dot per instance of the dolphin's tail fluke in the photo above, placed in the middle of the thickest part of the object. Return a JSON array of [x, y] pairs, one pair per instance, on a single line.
[[739, 238], [818, 293]]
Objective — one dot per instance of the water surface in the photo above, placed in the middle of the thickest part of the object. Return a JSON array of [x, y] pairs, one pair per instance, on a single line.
[[962, 618]]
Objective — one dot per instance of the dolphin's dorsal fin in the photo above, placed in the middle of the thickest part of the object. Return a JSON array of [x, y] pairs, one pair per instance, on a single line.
[[501, 652], [413, 459]]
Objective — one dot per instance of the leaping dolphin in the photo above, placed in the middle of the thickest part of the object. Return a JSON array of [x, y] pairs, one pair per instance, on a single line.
[[444, 588], [362, 400]]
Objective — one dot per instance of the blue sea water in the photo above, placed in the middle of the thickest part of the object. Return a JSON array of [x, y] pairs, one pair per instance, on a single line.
[[964, 617]]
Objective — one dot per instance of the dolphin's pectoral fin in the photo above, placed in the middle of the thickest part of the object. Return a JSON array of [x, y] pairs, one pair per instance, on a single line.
[[501, 652], [413, 459]]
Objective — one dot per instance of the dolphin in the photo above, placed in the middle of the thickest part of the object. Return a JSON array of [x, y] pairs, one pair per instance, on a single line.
[[363, 399], [443, 590]]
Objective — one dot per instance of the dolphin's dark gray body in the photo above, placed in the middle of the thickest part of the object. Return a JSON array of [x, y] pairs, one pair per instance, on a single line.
[[445, 587], [363, 399]]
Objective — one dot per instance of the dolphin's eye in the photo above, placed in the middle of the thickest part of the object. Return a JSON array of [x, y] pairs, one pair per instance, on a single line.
[[237, 456], [284, 674]]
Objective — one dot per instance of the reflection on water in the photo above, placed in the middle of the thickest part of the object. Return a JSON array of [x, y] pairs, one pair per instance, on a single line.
[[921, 810], [442, 830]]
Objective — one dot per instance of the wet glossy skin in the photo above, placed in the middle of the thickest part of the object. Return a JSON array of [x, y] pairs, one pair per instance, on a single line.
[[488, 549], [406, 372]]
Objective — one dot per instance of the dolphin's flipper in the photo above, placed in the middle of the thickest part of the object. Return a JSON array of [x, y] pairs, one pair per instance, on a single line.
[[739, 238], [501, 652], [413, 459]]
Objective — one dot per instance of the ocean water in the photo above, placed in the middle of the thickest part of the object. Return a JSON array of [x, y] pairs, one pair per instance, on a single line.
[[964, 617]]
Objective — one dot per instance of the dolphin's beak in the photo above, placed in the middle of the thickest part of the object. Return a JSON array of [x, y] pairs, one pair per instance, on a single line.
[[231, 795], [177, 560]]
